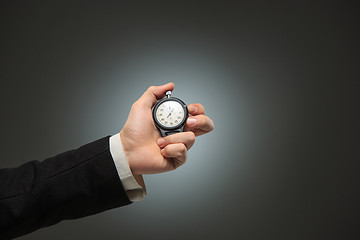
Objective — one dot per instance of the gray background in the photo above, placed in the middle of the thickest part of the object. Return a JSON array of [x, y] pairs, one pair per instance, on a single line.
[[278, 79]]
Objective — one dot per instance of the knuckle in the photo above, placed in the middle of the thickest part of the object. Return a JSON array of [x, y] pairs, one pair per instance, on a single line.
[[208, 121], [211, 124], [183, 149], [179, 154], [151, 88], [180, 151], [138, 104], [134, 105], [191, 137], [183, 153]]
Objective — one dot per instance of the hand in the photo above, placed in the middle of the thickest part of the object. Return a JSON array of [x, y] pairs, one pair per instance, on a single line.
[[146, 151]]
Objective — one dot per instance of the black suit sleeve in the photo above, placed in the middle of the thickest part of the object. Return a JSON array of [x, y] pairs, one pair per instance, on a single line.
[[71, 185]]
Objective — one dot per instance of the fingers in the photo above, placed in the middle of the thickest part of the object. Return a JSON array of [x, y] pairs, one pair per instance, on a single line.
[[175, 150], [176, 153], [200, 122], [186, 138], [175, 147], [196, 109], [154, 93]]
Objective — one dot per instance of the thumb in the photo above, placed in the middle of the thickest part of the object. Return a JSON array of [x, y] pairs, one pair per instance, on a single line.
[[154, 93]]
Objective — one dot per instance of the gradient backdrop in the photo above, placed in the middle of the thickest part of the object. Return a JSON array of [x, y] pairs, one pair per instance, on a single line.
[[279, 80]]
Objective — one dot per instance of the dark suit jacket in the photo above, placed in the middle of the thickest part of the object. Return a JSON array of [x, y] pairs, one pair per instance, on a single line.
[[71, 185]]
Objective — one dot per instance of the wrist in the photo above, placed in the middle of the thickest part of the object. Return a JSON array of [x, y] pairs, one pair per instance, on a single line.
[[128, 150]]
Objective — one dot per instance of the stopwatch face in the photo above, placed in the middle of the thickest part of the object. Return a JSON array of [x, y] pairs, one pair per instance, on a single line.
[[170, 114]]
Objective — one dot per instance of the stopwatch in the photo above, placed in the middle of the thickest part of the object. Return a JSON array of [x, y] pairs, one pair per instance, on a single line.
[[170, 115]]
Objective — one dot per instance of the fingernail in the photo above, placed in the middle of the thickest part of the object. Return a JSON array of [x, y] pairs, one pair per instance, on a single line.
[[192, 108], [160, 141], [191, 121]]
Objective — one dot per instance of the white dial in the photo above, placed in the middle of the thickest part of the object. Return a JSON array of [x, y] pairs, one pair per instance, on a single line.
[[170, 113]]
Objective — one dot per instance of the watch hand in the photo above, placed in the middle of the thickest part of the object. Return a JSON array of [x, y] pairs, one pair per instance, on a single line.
[[169, 115]]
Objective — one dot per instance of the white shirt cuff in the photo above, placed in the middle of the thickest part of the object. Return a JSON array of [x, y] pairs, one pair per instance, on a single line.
[[133, 190]]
